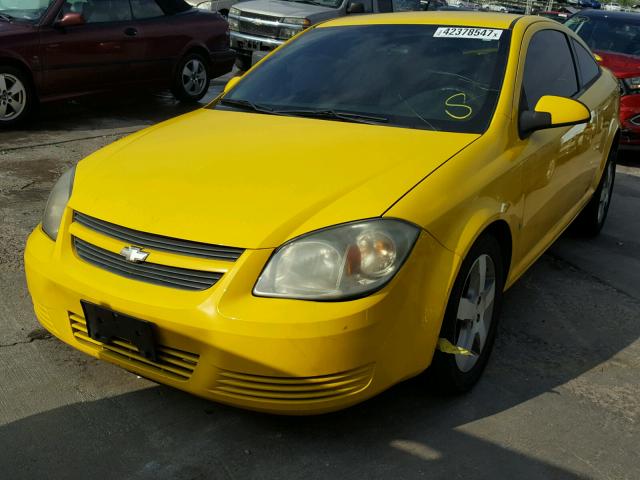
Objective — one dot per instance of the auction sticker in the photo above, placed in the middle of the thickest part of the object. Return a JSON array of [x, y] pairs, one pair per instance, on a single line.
[[468, 32]]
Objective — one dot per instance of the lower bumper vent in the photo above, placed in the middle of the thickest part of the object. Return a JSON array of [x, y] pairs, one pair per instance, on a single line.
[[173, 363]]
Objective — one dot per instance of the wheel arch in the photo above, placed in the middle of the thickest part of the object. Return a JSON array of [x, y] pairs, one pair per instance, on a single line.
[[22, 66]]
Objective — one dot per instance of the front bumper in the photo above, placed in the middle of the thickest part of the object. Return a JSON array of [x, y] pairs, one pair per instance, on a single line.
[[274, 355], [246, 44]]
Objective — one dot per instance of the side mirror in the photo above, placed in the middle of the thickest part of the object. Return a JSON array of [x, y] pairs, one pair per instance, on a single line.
[[70, 19], [231, 83], [552, 112], [355, 7]]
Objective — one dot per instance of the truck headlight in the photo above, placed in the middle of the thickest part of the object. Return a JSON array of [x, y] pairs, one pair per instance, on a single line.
[[232, 19], [58, 199], [338, 263]]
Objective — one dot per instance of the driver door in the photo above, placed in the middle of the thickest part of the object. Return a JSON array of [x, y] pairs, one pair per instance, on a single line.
[[94, 56]]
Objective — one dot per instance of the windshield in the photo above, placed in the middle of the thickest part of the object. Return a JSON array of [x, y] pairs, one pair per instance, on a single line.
[[608, 34], [322, 3], [416, 76], [23, 10]]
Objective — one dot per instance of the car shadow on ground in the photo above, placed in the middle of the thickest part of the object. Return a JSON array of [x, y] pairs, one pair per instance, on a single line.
[[545, 344]]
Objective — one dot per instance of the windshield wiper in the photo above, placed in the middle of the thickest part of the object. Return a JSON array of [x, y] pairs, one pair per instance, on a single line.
[[6, 17], [308, 2], [246, 105], [335, 115]]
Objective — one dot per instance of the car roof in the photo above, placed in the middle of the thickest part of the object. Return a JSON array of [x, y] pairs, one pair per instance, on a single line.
[[459, 18]]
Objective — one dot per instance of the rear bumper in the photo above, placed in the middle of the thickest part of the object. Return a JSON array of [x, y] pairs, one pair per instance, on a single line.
[[273, 355], [222, 62]]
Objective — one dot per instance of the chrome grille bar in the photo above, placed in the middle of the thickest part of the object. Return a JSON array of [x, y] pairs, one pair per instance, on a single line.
[[146, 272], [159, 242]]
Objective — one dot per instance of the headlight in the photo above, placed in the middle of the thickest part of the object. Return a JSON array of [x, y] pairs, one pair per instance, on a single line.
[[58, 199], [288, 32], [338, 263], [303, 22], [632, 84], [234, 11]]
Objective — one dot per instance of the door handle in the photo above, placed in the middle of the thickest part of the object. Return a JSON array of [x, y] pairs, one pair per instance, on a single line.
[[131, 32]]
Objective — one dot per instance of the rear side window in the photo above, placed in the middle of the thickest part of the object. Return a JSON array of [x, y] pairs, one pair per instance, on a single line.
[[548, 69], [587, 65], [146, 9]]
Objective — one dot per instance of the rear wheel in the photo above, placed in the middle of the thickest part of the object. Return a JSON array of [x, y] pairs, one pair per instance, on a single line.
[[16, 96], [471, 317], [592, 218], [192, 79]]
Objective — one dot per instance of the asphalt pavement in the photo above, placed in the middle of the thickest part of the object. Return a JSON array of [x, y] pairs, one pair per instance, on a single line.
[[560, 398]]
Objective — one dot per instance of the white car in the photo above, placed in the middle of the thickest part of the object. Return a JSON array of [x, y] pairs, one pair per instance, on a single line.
[[612, 7], [493, 7], [222, 6]]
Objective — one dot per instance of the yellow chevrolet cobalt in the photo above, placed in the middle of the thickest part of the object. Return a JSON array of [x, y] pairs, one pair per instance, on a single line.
[[344, 216]]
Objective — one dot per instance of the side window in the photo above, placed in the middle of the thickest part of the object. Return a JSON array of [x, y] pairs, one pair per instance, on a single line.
[[385, 6], [146, 9], [548, 69], [586, 64], [101, 11], [406, 5]]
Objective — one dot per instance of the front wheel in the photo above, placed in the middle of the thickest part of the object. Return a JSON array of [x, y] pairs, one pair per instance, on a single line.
[[16, 96], [192, 79], [471, 317], [592, 218]]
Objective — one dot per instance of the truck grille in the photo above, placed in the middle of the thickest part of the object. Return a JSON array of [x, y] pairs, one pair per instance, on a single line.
[[155, 273], [251, 28], [158, 242], [173, 363]]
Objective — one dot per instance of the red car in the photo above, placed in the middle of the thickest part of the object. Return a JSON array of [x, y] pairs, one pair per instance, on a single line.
[[614, 37], [58, 49]]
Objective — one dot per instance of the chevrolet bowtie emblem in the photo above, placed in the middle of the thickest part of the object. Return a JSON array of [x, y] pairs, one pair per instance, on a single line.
[[134, 254]]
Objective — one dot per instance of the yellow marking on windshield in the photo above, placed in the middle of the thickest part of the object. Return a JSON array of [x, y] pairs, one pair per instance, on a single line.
[[462, 107]]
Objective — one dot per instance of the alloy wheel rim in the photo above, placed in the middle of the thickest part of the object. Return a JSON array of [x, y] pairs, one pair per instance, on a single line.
[[605, 193], [13, 97], [475, 311], [194, 76]]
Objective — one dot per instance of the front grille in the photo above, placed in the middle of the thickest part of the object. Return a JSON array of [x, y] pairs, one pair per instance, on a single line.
[[158, 242], [173, 363], [260, 30], [155, 273], [292, 389]]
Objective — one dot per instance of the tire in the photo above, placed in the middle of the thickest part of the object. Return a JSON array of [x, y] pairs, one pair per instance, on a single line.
[[459, 373], [17, 96], [593, 216], [243, 62], [192, 78]]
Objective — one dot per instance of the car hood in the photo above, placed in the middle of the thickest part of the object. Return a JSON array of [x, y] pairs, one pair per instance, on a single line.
[[253, 181], [281, 9], [622, 65]]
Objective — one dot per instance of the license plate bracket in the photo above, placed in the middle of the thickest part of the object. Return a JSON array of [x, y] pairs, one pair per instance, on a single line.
[[105, 325]]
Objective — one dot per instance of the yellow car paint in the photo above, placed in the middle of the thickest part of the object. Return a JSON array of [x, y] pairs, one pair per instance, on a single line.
[[197, 177], [566, 111]]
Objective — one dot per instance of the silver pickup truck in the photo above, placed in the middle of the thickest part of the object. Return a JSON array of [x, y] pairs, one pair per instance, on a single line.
[[259, 26]]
